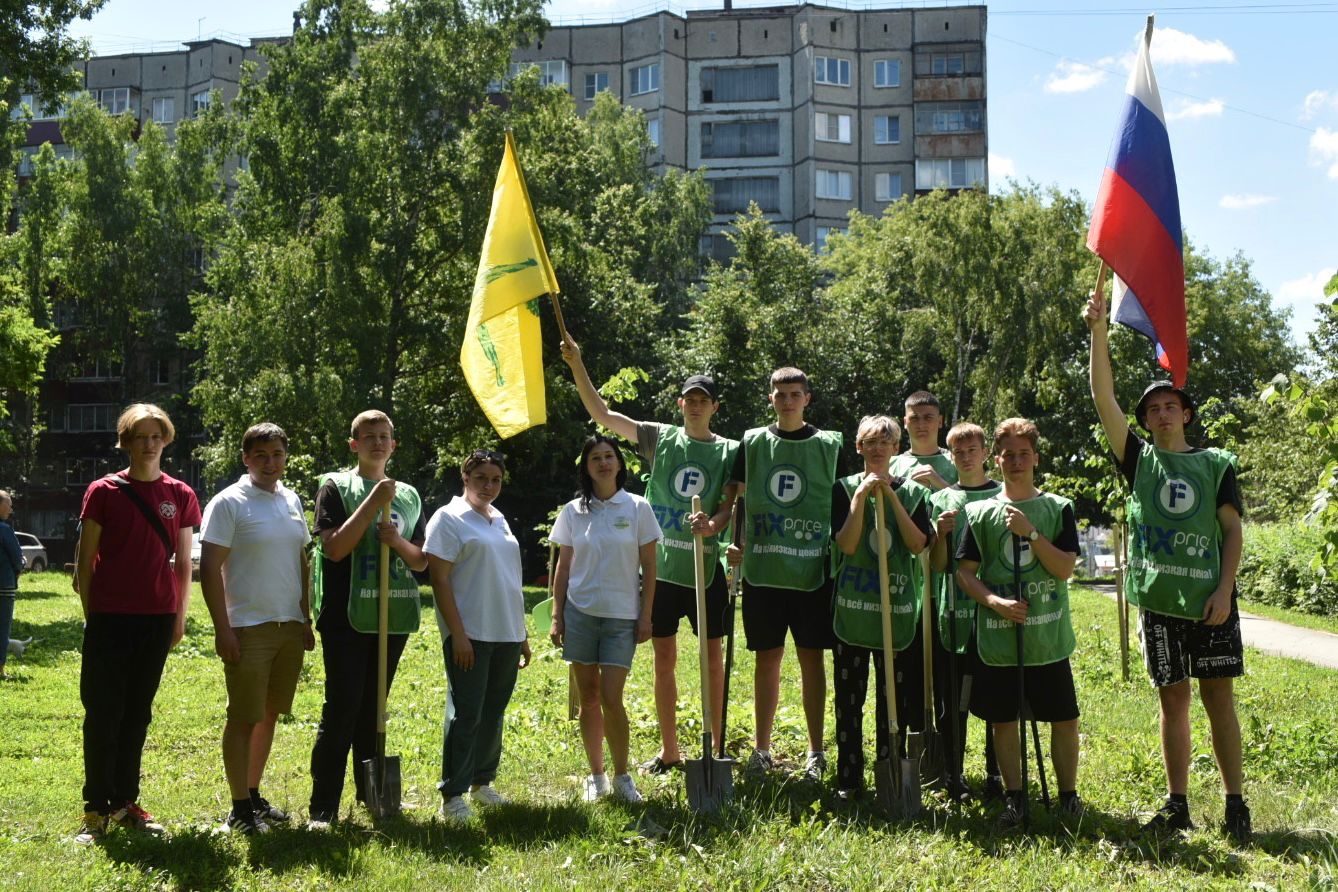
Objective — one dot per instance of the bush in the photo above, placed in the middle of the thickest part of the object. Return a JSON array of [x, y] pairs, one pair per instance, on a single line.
[[1276, 568]]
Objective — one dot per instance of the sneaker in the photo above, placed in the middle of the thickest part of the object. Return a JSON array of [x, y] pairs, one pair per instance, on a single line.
[[624, 789], [994, 789], [320, 821], [658, 766], [597, 787], [487, 795], [1072, 806], [132, 817], [759, 763], [454, 810], [93, 829], [1237, 822], [1171, 816], [268, 812], [246, 825], [1011, 817], [958, 789], [815, 763]]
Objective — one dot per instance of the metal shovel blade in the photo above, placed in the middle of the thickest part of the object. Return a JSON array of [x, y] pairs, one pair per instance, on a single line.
[[885, 779], [382, 776], [910, 775], [931, 758], [710, 783]]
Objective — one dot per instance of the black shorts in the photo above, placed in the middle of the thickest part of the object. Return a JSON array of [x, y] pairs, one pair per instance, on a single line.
[[1050, 693], [769, 612], [1176, 649], [674, 601]]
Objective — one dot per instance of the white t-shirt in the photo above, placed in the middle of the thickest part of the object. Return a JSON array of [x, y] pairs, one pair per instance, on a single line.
[[606, 545], [485, 571], [266, 532]]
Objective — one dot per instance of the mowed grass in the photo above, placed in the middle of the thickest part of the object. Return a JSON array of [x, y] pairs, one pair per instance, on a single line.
[[778, 834]]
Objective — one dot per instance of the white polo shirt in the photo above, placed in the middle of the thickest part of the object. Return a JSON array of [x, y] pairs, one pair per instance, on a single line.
[[606, 542], [485, 571], [266, 532]]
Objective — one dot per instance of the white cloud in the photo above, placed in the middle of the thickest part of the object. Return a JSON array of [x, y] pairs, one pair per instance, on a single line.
[[1324, 150], [1245, 202], [1300, 296], [1073, 77], [1172, 47], [1188, 108], [1001, 168], [1317, 101]]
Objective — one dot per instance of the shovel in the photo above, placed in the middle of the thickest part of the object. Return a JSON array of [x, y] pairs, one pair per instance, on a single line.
[[382, 772], [710, 784], [735, 584], [931, 761], [953, 761], [1021, 680], [897, 787]]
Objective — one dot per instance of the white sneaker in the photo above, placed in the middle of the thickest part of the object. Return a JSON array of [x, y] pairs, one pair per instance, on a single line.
[[625, 789], [597, 787], [815, 764], [487, 795], [456, 811]]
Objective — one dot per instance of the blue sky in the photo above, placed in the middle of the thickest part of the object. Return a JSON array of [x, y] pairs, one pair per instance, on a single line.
[[1252, 105]]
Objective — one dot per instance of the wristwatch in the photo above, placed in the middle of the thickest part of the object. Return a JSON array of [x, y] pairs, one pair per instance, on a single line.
[[1033, 535]]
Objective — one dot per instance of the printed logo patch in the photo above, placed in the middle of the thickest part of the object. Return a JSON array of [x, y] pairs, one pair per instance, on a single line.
[[872, 541], [1028, 558], [167, 509], [786, 486], [1176, 498], [689, 479]]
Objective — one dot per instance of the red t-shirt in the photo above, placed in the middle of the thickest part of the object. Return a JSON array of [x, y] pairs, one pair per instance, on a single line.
[[132, 572]]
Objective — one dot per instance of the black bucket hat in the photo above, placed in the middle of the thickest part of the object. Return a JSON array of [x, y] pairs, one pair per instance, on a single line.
[[1140, 410]]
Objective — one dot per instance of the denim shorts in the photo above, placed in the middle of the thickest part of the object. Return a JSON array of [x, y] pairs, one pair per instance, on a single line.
[[597, 640]]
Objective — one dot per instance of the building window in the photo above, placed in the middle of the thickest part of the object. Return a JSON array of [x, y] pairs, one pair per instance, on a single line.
[[199, 103], [82, 471], [27, 104], [949, 173], [831, 128], [962, 61], [751, 83], [98, 370], [947, 64], [115, 101], [653, 131], [886, 186], [734, 195], [830, 70], [949, 117], [551, 71], [596, 82], [740, 139], [81, 417], [160, 372], [164, 110], [718, 247], [645, 79], [887, 130], [835, 184], [887, 73], [821, 235]]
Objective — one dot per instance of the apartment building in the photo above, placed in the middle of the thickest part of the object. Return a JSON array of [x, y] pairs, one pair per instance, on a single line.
[[809, 111]]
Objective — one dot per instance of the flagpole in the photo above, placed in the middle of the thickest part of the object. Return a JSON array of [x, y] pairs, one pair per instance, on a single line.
[[557, 311], [1118, 532], [1100, 279]]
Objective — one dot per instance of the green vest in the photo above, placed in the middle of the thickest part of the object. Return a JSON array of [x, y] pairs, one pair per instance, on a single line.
[[1175, 550], [364, 569], [789, 502], [963, 608], [1048, 635], [858, 619], [941, 461], [684, 468]]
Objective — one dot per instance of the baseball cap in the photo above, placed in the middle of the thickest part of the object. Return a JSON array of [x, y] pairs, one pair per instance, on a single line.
[[704, 383], [1140, 411]]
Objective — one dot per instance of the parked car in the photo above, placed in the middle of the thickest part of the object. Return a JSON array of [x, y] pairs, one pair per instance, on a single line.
[[34, 552]]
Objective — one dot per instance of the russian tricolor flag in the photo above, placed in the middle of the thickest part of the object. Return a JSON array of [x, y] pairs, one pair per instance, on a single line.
[[1136, 223]]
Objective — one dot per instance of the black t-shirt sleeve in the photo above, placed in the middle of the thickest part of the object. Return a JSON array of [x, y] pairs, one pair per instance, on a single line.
[[1068, 540], [921, 518], [1133, 447], [740, 467], [840, 507], [330, 513], [967, 549], [419, 530], [1228, 491]]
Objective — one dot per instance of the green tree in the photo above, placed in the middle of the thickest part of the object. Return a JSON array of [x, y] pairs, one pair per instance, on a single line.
[[36, 47]]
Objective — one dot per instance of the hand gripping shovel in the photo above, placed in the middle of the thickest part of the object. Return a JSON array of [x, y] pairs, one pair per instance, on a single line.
[[931, 759], [1021, 680], [710, 784], [897, 787], [735, 585], [382, 772]]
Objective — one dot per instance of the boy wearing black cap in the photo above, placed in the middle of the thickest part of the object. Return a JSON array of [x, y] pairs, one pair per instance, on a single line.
[[684, 461], [1185, 545]]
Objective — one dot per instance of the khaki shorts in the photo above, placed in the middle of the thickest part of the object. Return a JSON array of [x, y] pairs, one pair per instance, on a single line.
[[265, 678]]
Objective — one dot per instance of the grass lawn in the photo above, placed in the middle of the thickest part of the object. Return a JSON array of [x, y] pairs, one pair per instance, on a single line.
[[779, 832]]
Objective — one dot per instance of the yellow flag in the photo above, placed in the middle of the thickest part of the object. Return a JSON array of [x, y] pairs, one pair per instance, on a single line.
[[502, 355]]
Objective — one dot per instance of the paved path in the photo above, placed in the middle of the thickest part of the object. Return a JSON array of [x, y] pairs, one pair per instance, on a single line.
[[1267, 635]]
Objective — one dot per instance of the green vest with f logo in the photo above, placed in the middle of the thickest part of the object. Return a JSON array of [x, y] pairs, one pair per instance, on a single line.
[[684, 468], [962, 609], [788, 498], [364, 569]]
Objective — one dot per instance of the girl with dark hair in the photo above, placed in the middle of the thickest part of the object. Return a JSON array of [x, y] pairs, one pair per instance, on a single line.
[[601, 610]]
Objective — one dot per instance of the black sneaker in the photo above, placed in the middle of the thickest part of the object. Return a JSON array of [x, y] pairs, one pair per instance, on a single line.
[[958, 789], [1237, 822], [994, 789], [1172, 816], [246, 825], [1072, 806], [268, 812], [1011, 817], [658, 766]]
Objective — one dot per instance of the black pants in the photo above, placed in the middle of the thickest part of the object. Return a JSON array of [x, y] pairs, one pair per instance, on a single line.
[[966, 663], [851, 666], [123, 657], [348, 716]]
